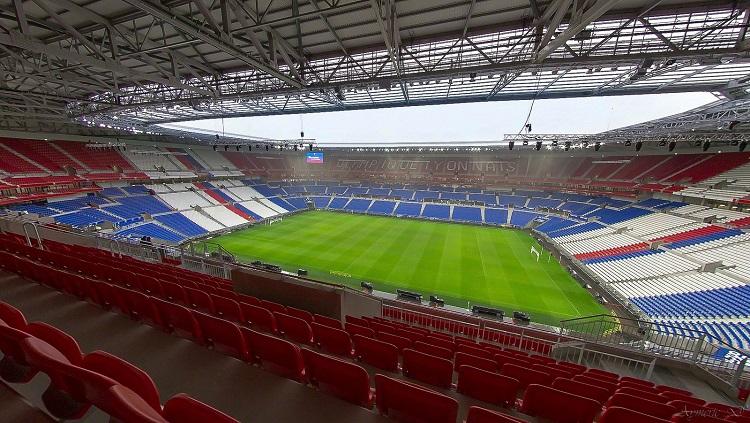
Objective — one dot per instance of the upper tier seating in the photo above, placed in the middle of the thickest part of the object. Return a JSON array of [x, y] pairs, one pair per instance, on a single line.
[[95, 158], [12, 163], [42, 153]]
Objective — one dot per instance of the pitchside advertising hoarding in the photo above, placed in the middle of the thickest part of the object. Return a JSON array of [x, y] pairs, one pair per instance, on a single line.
[[430, 165], [314, 157]]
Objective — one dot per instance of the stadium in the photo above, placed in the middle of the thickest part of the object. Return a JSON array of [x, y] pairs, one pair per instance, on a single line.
[[153, 269]]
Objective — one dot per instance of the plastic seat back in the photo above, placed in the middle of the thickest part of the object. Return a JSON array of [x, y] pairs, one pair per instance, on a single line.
[[345, 380], [174, 293], [332, 340], [259, 318], [182, 408], [355, 329], [58, 339], [227, 308], [652, 408], [277, 355], [199, 300], [558, 406], [12, 316], [474, 361], [328, 321], [222, 335], [300, 314], [475, 351], [399, 341], [124, 373], [405, 402], [427, 368], [526, 376], [483, 415], [626, 415], [125, 405], [376, 353], [582, 389], [487, 386], [433, 350], [273, 307], [294, 329], [178, 319]]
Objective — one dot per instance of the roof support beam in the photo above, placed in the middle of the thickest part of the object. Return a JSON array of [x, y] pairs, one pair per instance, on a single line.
[[190, 29]]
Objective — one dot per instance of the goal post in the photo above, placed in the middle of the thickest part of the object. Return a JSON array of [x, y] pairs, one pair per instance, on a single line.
[[535, 252], [270, 222]]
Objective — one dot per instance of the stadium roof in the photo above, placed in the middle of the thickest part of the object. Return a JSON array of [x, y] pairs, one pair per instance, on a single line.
[[131, 64]]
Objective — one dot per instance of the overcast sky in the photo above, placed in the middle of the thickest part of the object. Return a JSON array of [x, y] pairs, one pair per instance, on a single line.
[[462, 122]]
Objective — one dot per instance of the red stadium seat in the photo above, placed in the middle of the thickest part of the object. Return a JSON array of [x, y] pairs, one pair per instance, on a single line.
[[636, 381], [355, 329], [474, 351], [399, 341], [478, 362], [440, 342], [294, 329], [58, 339], [125, 405], [427, 368], [66, 395], [433, 350], [412, 335], [300, 314], [558, 406], [327, 321], [670, 395], [357, 321], [332, 340], [602, 374], [276, 355], [181, 408], [222, 335], [14, 368], [643, 393], [273, 307], [345, 380], [174, 293], [151, 287], [408, 403], [655, 409], [609, 386], [626, 415], [487, 386], [483, 415], [227, 308], [141, 307], [665, 388], [503, 359], [525, 375], [376, 353], [124, 373], [553, 370], [576, 368], [178, 320], [585, 390], [199, 300], [259, 318]]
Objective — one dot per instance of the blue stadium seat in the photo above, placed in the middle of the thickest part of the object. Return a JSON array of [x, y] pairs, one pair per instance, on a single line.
[[338, 203], [467, 214], [384, 207], [321, 202], [512, 200], [521, 218], [358, 205], [496, 216], [181, 224], [408, 209], [436, 211], [152, 230]]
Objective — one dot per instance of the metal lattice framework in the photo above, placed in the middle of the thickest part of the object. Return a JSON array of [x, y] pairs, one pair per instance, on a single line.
[[132, 64]]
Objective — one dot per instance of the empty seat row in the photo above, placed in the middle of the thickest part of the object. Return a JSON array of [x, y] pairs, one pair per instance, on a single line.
[[79, 381]]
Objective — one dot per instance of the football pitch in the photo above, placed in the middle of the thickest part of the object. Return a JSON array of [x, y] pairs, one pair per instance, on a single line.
[[463, 264]]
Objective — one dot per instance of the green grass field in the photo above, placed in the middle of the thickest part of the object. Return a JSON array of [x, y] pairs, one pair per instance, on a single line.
[[460, 263]]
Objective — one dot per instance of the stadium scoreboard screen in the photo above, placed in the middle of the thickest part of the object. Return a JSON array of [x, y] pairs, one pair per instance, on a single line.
[[315, 157]]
